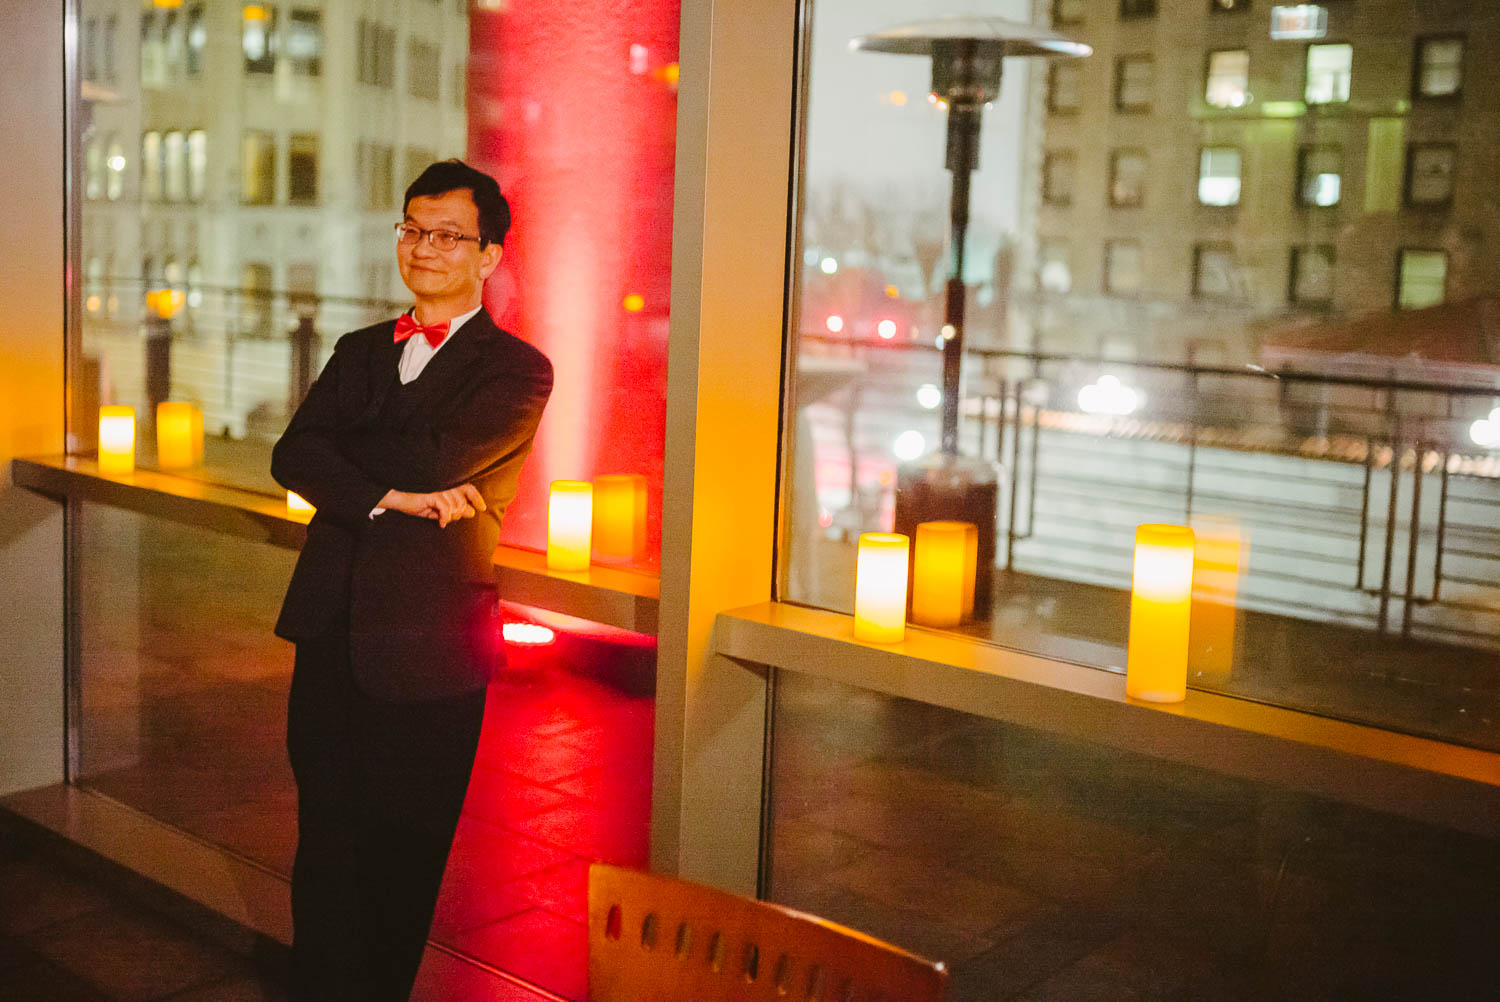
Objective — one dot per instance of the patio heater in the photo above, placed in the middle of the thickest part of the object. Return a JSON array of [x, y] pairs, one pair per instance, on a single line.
[[967, 53]]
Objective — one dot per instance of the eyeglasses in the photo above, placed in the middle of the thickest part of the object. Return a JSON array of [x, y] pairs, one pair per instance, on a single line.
[[408, 235]]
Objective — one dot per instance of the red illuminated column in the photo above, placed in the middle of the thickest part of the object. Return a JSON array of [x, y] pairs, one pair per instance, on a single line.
[[572, 105]]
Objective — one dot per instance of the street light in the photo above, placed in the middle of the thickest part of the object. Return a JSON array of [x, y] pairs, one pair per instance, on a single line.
[[967, 53]]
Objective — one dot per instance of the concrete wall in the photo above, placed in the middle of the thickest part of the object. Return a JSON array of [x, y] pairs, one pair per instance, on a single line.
[[31, 392]]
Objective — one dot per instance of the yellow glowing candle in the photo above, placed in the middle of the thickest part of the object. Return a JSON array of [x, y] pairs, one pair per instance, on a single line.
[[179, 434], [944, 558], [297, 506], [880, 588], [570, 517], [1218, 557], [116, 439], [1160, 603], [619, 516]]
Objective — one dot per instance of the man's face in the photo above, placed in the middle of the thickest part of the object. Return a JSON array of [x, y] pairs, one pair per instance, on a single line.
[[455, 276]]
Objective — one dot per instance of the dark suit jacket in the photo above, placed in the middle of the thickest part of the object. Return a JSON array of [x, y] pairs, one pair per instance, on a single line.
[[417, 600]]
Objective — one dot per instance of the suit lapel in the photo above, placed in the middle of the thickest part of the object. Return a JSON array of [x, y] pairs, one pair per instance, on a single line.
[[450, 366]]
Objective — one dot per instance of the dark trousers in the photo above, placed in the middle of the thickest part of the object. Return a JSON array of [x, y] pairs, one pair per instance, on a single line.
[[379, 789]]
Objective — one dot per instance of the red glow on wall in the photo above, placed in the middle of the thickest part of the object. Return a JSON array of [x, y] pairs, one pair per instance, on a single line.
[[572, 105]]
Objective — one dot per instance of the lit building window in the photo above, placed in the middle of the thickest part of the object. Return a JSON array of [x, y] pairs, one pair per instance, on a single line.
[[174, 157], [1214, 271], [1122, 267], [1226, 6], [151, 166], [423, 69], [1440, 67], [1329, 71], [1137, 8], [1058, 170], [1054, 271], [304, 42], [1219, 176], [1429, 173], [302, 170], [197, 164], [114, 163], [1320, 175], [1068, 11], [1422, 278], [1127, 179], [1312, 275], [255, 299], [1063, 80], [1135, 79], [258, 37], [258, 168], [1228, 84]]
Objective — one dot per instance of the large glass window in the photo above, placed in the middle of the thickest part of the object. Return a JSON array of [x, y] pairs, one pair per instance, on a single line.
[[258, 168], [304, 41], [258, 37], [1320, 178], [302, 170]]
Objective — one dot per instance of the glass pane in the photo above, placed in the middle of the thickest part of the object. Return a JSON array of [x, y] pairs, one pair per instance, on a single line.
[[1040, 866], [1130, 356], [1440, 67], [1329, 71]]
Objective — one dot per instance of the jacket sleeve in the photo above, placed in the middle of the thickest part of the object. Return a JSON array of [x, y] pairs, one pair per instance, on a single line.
[[493, 419], [307, 460]]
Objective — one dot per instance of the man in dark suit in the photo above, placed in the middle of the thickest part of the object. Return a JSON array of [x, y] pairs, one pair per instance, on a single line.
[[409, 445]]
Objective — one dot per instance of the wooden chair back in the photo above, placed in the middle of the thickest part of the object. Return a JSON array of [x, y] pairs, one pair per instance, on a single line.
[[654, 938]]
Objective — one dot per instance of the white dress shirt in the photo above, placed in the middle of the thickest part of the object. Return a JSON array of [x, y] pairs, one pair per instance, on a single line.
[[418, 351]]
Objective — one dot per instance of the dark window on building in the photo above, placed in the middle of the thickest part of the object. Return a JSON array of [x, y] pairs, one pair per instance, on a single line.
[[197, 38], [417, 160], [1135, 82], [302, 170], [375, 166], [1312, 275], [1214, 271], [1122, 267], [1137, 8], [258, 37], [1439, 67], [1058, 171], [423, 69], [1127, 179], [304, 42], [1068, 12], [255, 299], [1320, 172], [1227, 6], [1429, 173], [1063, 83], [1421, 278], [377, 54]]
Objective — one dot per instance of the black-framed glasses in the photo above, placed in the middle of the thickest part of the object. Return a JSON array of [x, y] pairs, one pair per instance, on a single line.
[[408, 235]]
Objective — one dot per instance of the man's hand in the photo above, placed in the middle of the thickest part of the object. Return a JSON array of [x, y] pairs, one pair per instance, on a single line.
[[447, 506]]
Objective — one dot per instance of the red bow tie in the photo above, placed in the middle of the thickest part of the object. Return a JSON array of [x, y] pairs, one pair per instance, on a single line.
[[406, 326]]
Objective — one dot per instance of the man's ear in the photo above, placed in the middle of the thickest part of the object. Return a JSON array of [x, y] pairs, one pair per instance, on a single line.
[[489, 259]]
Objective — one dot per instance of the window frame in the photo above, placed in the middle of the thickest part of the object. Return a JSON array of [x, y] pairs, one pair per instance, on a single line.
[[1419, 47], [1136, 10], [1401, 254], [1199, 250], [1307, 74], [1304, 153], [1109, 286], [1208, 78], [1203, 152], [1054, 68], [1407, 187], [1138, 58], [1295, 271], [1115, 155], [1050, 157]]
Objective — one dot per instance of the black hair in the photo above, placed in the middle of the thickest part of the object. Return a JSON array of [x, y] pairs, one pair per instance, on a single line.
[[452, 175]]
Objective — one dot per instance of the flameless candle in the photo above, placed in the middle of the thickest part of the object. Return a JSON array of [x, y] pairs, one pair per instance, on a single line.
[[179, 434], [619, 516], [944, 557], [1218, 555], [1160, 604], [880, 588], [570, 516], [296, 503], [116, 439]]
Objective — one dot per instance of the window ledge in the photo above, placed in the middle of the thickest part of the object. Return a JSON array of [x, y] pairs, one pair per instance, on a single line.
[[1383, 770], [611, 595]]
